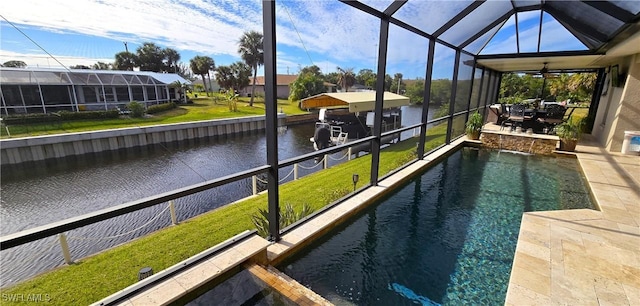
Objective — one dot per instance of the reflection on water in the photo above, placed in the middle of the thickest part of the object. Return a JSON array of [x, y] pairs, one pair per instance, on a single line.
[[40, 193]]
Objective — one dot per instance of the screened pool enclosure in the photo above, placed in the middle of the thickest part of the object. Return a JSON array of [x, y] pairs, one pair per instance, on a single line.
[[43, 90], [470, 44], [463, 47]]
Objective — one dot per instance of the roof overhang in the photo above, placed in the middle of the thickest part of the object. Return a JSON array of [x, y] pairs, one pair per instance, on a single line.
[[355, 101], [554, 62]]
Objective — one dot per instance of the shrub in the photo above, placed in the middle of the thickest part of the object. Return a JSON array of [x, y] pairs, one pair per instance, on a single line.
[[571, 129], [474, 125], [136, 108], [232, 100], [109, 114], [57, 117], [287, 217], [30, 118], [153, 109]]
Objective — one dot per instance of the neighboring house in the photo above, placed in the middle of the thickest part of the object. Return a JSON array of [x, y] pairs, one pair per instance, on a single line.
[[213, 84], [359, 88], [282, 83], [44, 90], [330, 87]]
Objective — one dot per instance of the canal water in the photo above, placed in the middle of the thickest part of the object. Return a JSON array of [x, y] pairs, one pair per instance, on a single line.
[[42, 193]]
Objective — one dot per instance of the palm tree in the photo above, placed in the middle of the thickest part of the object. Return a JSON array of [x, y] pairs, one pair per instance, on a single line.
[[346, 78], [125, 61], [150, 57], [201, 65], [181, 88], [172, 57], [102, 66], [252, 53], [398, 78]]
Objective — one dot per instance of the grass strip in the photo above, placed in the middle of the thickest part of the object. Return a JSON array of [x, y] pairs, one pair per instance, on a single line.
[[203, 108], [98, 276]]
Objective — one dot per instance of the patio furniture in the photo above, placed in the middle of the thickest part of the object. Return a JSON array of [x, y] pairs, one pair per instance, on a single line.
[[554, 116], [516, 116], [500, 111]]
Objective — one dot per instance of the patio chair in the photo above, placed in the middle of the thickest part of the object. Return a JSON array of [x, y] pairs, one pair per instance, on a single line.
[[554, 116], [516, 116]]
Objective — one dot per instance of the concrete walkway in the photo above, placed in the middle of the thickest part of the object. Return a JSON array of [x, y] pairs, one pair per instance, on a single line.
[[584, 257]]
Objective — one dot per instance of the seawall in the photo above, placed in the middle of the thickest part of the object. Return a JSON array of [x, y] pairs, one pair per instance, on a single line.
[[28, 149]]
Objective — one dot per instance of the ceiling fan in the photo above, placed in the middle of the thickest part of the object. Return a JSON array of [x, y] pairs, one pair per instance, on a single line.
[[544, 72]]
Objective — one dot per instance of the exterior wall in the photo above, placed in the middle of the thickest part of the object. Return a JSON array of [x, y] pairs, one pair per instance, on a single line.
[[282, 91], [247, 90], [619, 109], [20, 150], [536, 144]]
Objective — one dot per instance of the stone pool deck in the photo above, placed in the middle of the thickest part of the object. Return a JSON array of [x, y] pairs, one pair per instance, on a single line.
[[584, 257]]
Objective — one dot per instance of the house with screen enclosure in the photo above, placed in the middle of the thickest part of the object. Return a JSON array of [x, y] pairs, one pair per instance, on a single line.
[[46, 90]]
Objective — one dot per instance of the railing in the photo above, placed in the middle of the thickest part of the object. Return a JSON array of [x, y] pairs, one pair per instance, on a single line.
[[37, 233], [59, 228], [324, 162]]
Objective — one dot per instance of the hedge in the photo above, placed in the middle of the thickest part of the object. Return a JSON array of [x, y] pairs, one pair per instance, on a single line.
[[160, 107], [59, 116]]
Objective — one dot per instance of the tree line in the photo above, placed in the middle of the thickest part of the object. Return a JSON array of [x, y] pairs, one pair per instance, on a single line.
[[557, 87], [310, 81]]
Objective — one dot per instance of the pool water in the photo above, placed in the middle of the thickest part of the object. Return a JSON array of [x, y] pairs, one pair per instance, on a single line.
[[446, 237]]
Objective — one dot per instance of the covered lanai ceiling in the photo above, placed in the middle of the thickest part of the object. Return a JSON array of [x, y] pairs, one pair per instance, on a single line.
[[520, 35]]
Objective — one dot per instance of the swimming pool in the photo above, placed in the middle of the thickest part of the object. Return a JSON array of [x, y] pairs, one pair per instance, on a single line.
[[447, 237]]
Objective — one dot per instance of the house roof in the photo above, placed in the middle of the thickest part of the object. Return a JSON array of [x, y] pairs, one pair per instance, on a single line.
[[58, 76], [356, 101], [281, 79]]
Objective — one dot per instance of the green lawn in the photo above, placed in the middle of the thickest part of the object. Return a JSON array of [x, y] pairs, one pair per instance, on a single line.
[[203, 108], [101, 275]]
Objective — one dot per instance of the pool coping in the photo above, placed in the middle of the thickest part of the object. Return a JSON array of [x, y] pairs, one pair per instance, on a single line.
[[190, 276], [583, 256]]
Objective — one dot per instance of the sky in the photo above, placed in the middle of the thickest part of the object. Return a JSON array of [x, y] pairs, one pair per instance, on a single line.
[[325, 33]]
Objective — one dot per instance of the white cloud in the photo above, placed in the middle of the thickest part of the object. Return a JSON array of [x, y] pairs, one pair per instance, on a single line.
[[430, 15], [43, 60], [333, 33], [328, 28], [197, 26]]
